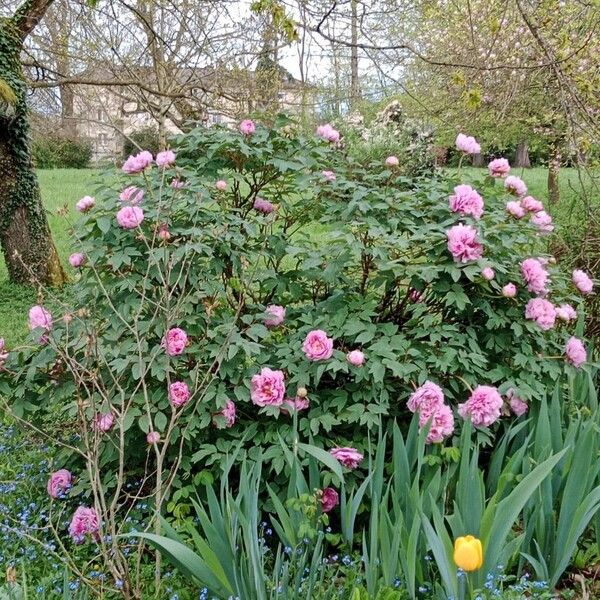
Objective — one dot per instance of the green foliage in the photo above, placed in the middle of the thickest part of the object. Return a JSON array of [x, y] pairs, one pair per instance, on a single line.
[[146, 138], [57, 152]]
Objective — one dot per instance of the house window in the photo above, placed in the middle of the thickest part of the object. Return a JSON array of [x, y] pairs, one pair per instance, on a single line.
[[215, 118], [102, 139], [102, 116]]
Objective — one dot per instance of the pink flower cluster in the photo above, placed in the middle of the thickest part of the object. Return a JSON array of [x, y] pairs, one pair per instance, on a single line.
[[499, 167], [328, 133], [138, 163], [463, 243], [104, 421], [166, 158], [221, 185], [535, 275], [228, 413], [130, 217], [518, 406], [267, 388], [565, 312], [509, 290], [515, 185], [428, 402], [263, 206], [467, 144], [542, 312], [132, 194], [356, 358], [575, 352], [466, 201], [392, 161], [39, 317], [543, 221], [488, 273], [3, 352], [85, 204], [247, 127], [317, 346], [329, 175], [175, 341], [515, 208], [76, 259], [275, 315], [329, 499], [582, 281], [531, 204], [59, 483], [483, 406], [85, 522], [153, 437], [349, 457], [179, 394]]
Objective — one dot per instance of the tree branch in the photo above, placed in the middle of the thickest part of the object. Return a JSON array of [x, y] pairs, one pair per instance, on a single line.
[[28, 15]]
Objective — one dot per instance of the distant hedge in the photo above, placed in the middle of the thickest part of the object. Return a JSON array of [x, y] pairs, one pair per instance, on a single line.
[[56, 152], [144, 139]]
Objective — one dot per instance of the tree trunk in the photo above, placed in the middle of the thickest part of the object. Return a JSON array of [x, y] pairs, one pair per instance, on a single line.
[[522, 155], [553, 171], [478, 160], [354, 81], [28, 248]]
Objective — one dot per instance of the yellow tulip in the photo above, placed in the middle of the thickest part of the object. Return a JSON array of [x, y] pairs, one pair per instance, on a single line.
[[468, 553]]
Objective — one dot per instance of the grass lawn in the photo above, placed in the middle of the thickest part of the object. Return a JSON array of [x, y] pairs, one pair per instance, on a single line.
[[60, 187], [63, 187]]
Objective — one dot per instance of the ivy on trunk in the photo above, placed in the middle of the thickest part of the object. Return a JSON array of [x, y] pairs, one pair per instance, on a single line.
[[27, 245]]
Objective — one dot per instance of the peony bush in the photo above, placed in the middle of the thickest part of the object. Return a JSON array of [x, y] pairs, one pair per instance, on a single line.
[[250, 283]]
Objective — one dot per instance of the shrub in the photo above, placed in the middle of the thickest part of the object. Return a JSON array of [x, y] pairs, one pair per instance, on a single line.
[[146, 138], [56, 152], [302, 269]]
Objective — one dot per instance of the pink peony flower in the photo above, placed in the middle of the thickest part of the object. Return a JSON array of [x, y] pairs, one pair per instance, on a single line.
[[138, 163], [3, 353], [317, 346], [499, 167], [59, 483], [515, 209], [39, 317], [542, 312], [85, 204], [228, 413], [442, 423], [177, 184], [179, 393], [414, 295], [132, 194], [175, 341], [575, 352], [247, 127], [129, 217], [356, 358], [296, 404], [515, 185], [329, 499], [392, 161], [221, 185], [582, 281], [163, 232], [275, 315], [467, 144], [327, 132], [329, 175], [535, 275], [488, 273], [509, 290], [483, 406], [153, 437], [263, 206], [466, 201], [76, 259], [104, 421], [565, 312], [463, 244], [543, 221], [426, 398], [166, 158], [518, 406], [267, 388], [85, 521], [349, 457], [531, 204]]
